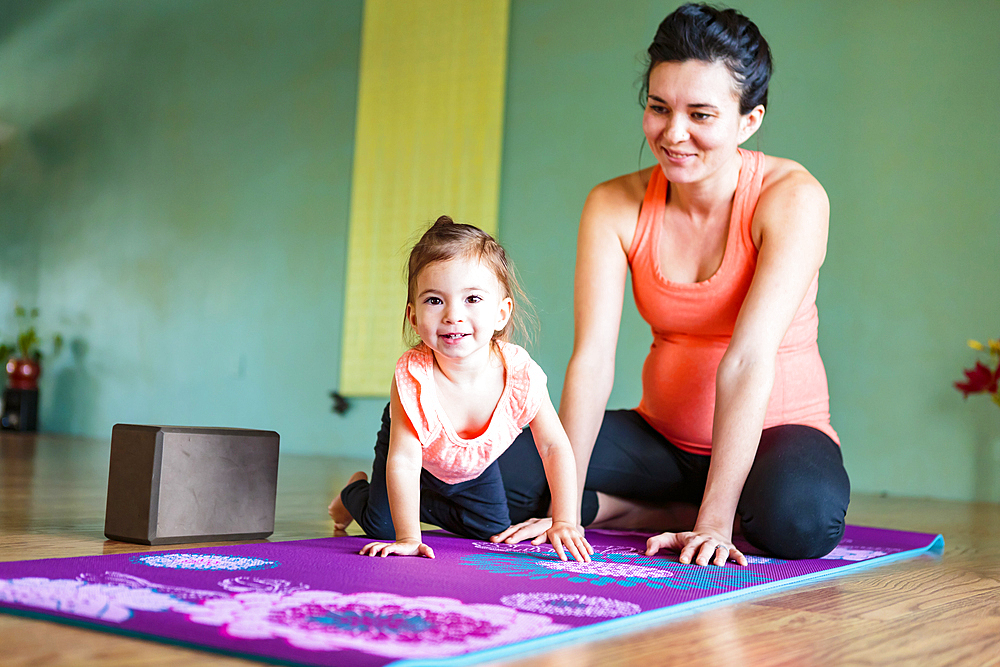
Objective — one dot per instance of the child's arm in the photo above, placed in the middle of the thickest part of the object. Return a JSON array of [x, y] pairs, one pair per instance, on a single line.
[[402, 478], [560, 471]]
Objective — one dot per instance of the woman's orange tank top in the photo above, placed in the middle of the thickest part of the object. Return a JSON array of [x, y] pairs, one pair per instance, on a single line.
[[692, 324]]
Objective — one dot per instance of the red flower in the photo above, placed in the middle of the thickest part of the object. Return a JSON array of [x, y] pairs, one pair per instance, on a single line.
[[980, 379]]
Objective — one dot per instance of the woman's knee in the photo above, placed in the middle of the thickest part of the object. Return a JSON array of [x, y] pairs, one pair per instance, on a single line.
[[795, 500], [793, 532]]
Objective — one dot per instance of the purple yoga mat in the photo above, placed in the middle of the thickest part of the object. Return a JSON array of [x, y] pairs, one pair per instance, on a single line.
[[317, 602]]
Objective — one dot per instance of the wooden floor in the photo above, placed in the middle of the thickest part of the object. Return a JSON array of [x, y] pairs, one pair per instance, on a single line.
[[932, 610]]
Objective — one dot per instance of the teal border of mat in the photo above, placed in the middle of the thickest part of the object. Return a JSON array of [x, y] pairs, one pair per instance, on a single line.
[[647, 618], [591, 632]]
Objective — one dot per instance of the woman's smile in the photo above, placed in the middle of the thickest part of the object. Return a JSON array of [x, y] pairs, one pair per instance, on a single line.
[[677, 156]]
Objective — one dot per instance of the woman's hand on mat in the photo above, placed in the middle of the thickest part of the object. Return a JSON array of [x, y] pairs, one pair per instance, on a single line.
[[532, 529], [699, 547], [564, 537], [407, 547]]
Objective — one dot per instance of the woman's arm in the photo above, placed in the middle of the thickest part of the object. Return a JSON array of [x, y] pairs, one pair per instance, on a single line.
[[598, 294], [790, 227], [402, 477], [560, 471]]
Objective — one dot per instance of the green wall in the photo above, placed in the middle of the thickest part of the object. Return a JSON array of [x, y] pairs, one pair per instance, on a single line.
[[179, 195], [177, 198]]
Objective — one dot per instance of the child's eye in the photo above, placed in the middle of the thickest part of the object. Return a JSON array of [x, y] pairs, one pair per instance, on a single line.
[[473, 298], [433, 301]]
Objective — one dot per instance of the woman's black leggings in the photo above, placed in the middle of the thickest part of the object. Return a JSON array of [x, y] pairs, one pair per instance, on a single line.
[[792, 506]]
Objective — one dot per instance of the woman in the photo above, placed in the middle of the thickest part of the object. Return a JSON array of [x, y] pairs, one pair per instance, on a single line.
[[724, 246]]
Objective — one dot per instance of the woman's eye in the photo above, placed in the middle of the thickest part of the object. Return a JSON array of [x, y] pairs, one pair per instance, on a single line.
[[656, 108], [700, 116]]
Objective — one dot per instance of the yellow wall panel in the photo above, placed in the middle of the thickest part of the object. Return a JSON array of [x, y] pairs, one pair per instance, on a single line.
[[427, 143]]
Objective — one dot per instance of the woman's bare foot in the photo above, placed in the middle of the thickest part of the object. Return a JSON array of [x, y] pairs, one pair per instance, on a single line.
[[341, 517]]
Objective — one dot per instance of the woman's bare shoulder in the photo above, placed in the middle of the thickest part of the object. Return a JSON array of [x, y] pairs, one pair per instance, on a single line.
[[627, 189], [618, 200], [790, 197], [784, 177]]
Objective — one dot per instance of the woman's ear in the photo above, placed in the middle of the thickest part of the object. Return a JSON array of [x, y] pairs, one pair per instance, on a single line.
[[750, 123], [504, 313]]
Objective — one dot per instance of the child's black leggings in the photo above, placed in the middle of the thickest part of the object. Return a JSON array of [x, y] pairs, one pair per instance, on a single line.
[[476, 508], [792, 506]]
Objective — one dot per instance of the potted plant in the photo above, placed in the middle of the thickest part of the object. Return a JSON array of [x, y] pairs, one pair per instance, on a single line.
[[23, 370]]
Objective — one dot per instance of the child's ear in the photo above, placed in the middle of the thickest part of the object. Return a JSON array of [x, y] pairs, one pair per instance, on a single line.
[[411, 315], [504, 313]]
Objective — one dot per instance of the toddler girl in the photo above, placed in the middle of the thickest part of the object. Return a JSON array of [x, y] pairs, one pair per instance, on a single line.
[[457, 401]]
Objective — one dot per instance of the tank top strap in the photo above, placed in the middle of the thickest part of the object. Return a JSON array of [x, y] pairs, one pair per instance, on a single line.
[[652, 211], [747, 194]]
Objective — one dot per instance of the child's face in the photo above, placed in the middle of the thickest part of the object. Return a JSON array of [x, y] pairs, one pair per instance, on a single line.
[[458, 307]]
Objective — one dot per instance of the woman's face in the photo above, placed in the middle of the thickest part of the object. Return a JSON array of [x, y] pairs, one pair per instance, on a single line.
[[692, 119]]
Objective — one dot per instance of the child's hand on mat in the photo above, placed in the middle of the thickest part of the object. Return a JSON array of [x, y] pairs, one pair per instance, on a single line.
[[564, 536], [701, 547], [407, 547]]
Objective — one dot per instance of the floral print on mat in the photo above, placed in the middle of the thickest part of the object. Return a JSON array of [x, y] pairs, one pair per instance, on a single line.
[[384, 624], [560, 604], [188, 561], [627, 568], [105, 602], [380, 623]]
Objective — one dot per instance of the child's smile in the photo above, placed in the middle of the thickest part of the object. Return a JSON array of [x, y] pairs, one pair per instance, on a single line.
[[454, 337]]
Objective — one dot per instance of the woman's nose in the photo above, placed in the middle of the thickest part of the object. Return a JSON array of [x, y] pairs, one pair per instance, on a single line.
[[676, 130]]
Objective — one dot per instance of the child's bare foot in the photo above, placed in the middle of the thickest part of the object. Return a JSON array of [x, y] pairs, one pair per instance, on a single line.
[[341, 517]]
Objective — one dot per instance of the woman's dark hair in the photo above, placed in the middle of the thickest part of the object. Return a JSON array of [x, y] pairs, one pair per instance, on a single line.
[[701, 32]]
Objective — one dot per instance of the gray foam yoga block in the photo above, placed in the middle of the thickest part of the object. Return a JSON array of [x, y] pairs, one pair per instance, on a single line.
[[172, 484]]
